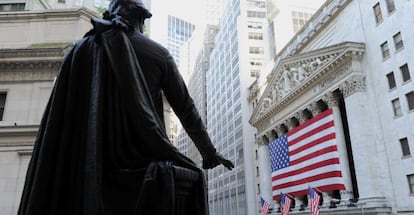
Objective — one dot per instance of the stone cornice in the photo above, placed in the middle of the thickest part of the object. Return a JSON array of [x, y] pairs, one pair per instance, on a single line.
[[18, 130], [18, 16], [49, 53], [294, 75], [29, 65]]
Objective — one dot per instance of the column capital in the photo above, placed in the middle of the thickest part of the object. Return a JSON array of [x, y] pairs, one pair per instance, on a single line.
[[314, 108], [279, 130], [355, 83], [300, 116], [331, 99], [289, 123], [262, 140]]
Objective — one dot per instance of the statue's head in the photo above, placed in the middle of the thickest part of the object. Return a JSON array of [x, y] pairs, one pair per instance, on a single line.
[[129, 9], [134, 11]]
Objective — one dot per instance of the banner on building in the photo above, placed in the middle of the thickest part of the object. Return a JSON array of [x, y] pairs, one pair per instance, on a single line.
[[306, 156]]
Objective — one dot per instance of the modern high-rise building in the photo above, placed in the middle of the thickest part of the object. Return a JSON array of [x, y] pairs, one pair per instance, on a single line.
[[197, 90], [235, 63], [196, 72]]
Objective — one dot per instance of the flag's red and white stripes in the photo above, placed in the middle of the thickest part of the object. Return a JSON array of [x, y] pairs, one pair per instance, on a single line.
[[314, 158]]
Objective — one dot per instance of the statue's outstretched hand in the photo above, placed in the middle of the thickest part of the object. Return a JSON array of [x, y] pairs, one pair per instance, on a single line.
[[216, 160]]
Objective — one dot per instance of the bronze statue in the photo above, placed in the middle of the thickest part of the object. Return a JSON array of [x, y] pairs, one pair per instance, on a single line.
[[102, 147]]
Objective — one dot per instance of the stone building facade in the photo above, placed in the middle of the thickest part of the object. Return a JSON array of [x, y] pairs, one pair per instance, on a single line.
[[361, 68], [32, 47]]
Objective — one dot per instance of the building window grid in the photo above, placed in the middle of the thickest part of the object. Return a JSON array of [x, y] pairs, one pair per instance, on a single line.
[[385, 50], [398, 41], [377, 13]]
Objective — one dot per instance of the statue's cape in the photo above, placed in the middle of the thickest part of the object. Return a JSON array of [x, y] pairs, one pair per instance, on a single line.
[[101, 143]]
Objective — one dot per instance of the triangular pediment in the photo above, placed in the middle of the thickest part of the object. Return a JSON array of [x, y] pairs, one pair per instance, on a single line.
[[292, 75]]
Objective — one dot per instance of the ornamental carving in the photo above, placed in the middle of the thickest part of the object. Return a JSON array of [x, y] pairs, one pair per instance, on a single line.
[[355, 83], [298, 73]]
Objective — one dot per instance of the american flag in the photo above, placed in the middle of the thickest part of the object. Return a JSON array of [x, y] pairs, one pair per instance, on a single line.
[[306, 156], [285, 204], [265, 206], [314, 201]]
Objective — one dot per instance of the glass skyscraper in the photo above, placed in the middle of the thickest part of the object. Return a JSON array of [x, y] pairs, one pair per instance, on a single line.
[[179, 31]]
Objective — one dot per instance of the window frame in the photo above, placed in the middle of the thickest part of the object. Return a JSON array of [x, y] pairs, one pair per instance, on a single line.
[[405, 147], [391, 81], [410, 179], [385, 50], [398, 44], [390, 6], [405, 73], [410, 100], [378, 13], [3, 98], [397, 110]]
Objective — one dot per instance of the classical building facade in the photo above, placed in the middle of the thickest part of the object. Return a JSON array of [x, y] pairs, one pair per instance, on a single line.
[[361, 69], [32, 46]]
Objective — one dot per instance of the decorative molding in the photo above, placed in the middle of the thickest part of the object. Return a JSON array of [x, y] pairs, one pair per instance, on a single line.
[[355, 83], [30, 65], [314, 108], [300, 116], [331, 99], [297, 74]]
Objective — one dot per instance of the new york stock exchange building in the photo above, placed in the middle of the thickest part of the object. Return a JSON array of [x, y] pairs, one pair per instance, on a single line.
[[336, 113]]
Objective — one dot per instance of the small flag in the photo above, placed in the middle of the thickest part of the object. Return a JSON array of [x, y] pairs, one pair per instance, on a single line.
[[265, 206], [285, 204], [314, 201]]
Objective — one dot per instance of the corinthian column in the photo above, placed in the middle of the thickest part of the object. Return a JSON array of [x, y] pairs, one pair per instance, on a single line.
[[265, 178], [368, 163], [332, 101]]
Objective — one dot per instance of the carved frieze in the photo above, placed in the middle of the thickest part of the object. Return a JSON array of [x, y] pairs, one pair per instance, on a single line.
[[296, 74]]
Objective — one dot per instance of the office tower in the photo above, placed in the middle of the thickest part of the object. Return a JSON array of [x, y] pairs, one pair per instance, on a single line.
[[235, 63]]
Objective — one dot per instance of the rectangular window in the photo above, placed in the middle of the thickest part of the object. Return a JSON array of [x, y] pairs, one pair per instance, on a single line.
[[390, 5], [256, 62], [255, 73], [405, 147], [411, 183], [396, 106], [410, 100], [254, 3], [385, 50], [398, 42], [405, 72], [254, 25], [256, 14], [377, 13], [256, 50], [2, 104], [12, 7], [391, 80], [255, 36]]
